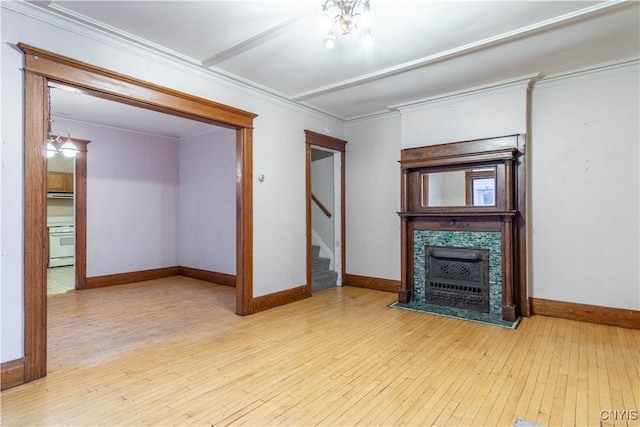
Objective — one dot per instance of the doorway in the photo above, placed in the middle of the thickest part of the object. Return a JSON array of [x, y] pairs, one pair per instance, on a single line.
[[60, 223], [41, 68], [325, 203]]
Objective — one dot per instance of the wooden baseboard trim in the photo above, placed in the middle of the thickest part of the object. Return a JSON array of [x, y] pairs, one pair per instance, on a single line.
[[134, 276], [376, 283], [11, 374], [586, 313], [277, 299], [209, 276]]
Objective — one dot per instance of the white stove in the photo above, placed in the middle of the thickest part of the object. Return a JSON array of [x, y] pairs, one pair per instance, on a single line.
[[61, 241]]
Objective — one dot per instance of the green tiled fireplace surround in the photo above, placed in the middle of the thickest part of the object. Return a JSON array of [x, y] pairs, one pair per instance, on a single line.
[[491, 240]]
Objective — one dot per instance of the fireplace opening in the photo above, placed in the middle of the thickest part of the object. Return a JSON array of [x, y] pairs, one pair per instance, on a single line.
[[457, 277]]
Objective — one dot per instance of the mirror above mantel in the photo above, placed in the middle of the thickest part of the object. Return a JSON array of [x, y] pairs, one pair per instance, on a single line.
[[472, 177], [474, 186]]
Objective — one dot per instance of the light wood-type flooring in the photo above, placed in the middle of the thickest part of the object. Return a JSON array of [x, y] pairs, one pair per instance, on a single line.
[[60, 279], [172, 352]]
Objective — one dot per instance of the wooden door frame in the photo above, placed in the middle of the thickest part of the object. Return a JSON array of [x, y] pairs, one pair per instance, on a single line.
[[320, 140], [42, 67], [80, 214]]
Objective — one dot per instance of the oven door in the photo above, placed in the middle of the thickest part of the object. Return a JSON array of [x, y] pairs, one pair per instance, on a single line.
[[61, 249]]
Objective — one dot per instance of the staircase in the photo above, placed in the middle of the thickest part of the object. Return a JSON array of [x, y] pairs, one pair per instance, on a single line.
[[321, 276]]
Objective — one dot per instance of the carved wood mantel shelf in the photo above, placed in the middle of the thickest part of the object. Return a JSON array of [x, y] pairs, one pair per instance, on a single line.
[[473, 187], [458, 214]]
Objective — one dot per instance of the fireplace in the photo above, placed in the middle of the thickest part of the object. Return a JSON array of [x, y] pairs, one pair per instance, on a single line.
[[428, 237], [463, 232], [457, 277]]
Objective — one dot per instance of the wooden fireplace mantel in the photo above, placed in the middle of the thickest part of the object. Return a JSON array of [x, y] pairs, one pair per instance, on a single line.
[[453, 213], [505, 157]]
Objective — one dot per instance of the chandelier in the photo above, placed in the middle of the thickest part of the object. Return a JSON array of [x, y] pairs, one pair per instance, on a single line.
[[59, 143], [348, 16]]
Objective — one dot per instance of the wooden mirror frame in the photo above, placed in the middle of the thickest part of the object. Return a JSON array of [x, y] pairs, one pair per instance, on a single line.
[[42, 67]]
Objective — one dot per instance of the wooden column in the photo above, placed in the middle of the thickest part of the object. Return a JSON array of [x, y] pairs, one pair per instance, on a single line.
[[80, 195], [508, 306], [508, 184], [35, 227], [404, 294], [244, 221]]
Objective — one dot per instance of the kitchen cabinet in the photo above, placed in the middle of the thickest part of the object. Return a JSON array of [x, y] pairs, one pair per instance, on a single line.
[[60, 182]]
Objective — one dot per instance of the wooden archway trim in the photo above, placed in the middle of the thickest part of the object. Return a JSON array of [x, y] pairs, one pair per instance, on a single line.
[[132, 91], [42, 67]]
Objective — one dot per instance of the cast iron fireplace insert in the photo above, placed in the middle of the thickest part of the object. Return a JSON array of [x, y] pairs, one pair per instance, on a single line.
[[457, 277]]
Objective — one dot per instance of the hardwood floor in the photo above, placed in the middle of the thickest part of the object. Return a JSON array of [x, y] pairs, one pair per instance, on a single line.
[[60, 279], [172, 352]]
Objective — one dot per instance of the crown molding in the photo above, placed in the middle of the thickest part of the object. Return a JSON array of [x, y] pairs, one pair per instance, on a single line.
[[593, 71], [115, 32], [382, 115], [152, 52], [483, 91]]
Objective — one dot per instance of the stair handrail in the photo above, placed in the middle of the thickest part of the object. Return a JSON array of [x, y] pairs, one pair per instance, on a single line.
[[322, 207]]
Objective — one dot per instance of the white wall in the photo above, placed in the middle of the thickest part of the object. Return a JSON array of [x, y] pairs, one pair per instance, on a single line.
[[278, 152], [208, 201], [132, 198], [465, 119], [322, 188], [585, 192], [12, 196], [373, 198]]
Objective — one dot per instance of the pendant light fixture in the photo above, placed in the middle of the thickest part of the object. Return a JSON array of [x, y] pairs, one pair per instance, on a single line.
[[60, 143], [348, 16]]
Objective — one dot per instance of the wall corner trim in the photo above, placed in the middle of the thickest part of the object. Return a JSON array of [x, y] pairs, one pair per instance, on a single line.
[[208, 276], [593, 71], [11, 374], [386, 285], [624, 318]]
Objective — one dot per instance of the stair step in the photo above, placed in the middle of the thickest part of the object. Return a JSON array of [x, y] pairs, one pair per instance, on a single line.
[[315, 251], [323, 280], [320, 264]]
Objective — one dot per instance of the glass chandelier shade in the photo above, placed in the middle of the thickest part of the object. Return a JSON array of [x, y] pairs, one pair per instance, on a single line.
[[347, 16], [63, 145]]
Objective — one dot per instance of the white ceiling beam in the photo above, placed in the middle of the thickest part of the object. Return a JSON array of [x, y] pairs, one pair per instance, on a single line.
[[465, 49], [256, 40]]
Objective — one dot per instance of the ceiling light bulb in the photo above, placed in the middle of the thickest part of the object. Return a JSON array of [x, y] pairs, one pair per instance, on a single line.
[[330, 41], [69, 149], [367, 41], [51, 149]]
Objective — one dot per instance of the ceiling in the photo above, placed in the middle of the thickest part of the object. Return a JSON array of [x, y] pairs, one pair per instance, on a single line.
[[422, 49]]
